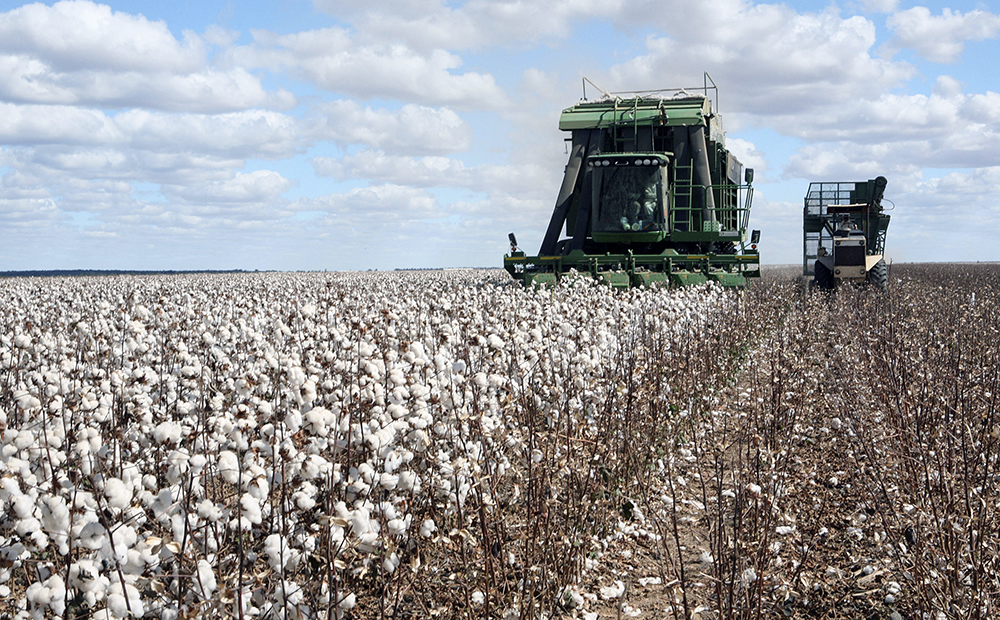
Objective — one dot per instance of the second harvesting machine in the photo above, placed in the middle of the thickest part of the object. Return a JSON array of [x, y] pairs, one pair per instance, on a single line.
[[650, 195]]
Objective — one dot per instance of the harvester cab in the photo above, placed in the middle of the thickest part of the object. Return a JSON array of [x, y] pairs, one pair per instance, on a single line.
[[844, 227], [650, 195]]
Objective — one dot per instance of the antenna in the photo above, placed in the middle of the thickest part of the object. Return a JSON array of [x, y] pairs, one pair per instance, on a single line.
[[586, 81]]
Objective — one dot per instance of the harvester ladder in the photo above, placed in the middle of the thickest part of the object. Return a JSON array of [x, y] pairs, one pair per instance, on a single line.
[[683, 184]]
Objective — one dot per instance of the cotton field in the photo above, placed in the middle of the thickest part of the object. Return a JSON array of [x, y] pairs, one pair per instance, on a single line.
[[445, 444], [306, 445]]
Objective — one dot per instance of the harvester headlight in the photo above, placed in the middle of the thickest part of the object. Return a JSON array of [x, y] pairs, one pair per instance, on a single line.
[[647, 162]]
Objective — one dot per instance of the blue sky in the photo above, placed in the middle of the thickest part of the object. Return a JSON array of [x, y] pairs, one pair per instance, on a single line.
[[333, 134]]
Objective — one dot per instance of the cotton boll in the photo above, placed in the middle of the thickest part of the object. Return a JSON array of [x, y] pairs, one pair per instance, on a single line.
[[250, 509], [51, 593], [388, 481], [206, 579], [278, 553], [407, 481], [398, 527], [209, 511], [167, 432], [390, 563], [305, 497], [229, 467], [258, 488], [427, 528], [119, 606], [92, 536], [118, 494]]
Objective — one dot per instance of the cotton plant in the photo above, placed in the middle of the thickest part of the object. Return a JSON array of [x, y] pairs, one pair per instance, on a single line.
[[164, 438]]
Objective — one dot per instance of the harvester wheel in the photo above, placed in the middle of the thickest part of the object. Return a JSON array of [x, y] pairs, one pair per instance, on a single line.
[[822, 278], [879, 275]]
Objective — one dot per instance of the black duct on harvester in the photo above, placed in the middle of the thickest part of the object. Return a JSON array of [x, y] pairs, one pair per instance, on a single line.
[[583, 143], [702, 173]]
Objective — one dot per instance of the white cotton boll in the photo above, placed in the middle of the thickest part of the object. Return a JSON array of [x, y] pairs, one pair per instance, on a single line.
[[427, 528], [390, 563], [368, 542], [86, 576], [229, 467], [118, 493], [117, 604], [258, 488], [167, 432], [208, 510], [22, 341], [9, 488], [319, 420], [389, 481], [313, 467], [613, 591], [277, 552], [347, 601], [305, 500], [50, 593], [251, 509], [407, 480], [480, 379], [293, 420], [24, 506], [92, 536], [397, 527], [197, 464]]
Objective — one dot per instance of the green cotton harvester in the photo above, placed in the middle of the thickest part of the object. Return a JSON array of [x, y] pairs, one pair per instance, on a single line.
[[844, 226], [650, 195]]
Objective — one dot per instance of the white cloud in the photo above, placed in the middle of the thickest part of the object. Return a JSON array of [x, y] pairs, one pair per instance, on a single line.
[[376, 205], [767, 59], [901, 133], [525, 180], [81, 53], [431, 24], [246, 134], [257, 187], [412, 129], [80, 35], [331, 59], [880, 6], [940, 38]]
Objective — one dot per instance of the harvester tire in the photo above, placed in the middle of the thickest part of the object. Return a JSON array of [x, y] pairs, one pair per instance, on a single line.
[[822, 277], [878, 275]]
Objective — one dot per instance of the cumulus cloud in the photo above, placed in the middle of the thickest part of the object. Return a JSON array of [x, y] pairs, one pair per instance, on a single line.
[[259, 186], [250, 133], [376, 205], [334, 61], [412, 129], [432, 24], [946, 129], [940, 38], [80, 53], [513, 180], [880, 6], [767, 58]]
